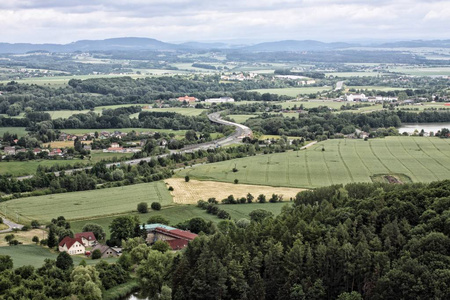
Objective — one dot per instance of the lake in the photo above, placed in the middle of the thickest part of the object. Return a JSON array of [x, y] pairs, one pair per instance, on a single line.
[[427, 127]]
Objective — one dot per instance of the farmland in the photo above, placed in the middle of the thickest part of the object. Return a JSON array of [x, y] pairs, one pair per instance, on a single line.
[[21, 168], [342, 161], [20, 131], [87, 204], [35, 255], [294, 92], [194, 190], [241, 118]]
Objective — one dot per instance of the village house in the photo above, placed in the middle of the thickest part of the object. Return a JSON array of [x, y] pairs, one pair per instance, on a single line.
[[356, 98], [10, 150], [56, 152], [176, 238], [107, 251], [187, 99], [72, 246], [87, 238], [220, 100]]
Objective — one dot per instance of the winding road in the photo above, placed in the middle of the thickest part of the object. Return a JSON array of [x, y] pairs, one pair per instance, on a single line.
[[240, 132]]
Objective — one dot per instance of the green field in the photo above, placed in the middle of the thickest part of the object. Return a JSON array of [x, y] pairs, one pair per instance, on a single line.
[[241, 118], [35, 255], [20, 131], [87, 204], [354, 74], [179, 213], [22, 168], [187, 111], [343, 161], [422, 71], [293, 92]]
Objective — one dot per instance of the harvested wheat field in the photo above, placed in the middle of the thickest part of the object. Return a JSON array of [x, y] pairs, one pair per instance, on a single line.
[[24, 237], [194, 190]]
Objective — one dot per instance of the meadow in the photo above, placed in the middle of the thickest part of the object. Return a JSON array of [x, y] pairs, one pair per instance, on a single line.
[[20, 131], [22, 168], [342, 161], [241, 118], [32, 255], [86, 204], [293, 92]]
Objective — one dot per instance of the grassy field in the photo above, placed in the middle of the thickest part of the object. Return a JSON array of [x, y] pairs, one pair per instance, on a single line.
[[179, 213], [21, 168], [35, 255], [241, 118], [20, 131], [87, 204], [194, 190], [354, 74], [187, 111], [343, 161], [422, 71], [374, 87], [294, 92]]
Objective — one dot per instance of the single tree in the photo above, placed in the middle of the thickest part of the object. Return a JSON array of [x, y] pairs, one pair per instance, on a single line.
[[156, 206], [64, 261], [186, 178], [161, 246], [35, 239], [142, 207], [96, 254]]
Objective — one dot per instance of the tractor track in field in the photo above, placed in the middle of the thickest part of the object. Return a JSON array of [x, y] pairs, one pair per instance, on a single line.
[[343, 161], [431, 157], [403, 165]]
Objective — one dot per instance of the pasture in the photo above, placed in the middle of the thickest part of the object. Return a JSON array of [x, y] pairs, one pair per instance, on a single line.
[[20, 131], [343, 161], [87, 204], [241, 118], [22, 168], [293, 92], [194, 190], [179, 213], [23, 255]]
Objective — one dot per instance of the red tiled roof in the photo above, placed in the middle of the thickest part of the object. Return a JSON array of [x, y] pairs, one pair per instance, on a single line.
[[181, 234], [177, 244], [69, 241], [87, 235]]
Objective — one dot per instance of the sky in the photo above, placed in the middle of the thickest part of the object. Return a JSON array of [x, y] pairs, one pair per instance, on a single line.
[[65, 21]]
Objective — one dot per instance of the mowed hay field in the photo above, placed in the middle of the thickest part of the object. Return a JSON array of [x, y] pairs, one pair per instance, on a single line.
[[194, 190], [87, 204], [418, 158]]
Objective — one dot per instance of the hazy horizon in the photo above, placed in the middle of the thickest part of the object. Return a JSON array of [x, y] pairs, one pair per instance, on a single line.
[[61, 22]]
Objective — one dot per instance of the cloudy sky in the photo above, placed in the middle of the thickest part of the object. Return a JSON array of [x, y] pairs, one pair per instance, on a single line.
[[64, 21]]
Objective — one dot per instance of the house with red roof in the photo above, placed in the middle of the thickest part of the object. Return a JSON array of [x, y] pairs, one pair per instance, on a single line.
[[87, 238], [72, 246], [176, 238], [187, 99]]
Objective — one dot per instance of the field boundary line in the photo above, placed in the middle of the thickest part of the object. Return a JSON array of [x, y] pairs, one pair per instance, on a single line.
[[287, 170], [431, 141], [423, 151], [308, 175], [266, 175], [403, 146], [343, 161], [398, 159], [328, 169], [376, 156], [362, 160]]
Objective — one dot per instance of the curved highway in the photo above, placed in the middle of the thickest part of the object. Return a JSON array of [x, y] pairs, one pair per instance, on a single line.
[[240, 132]]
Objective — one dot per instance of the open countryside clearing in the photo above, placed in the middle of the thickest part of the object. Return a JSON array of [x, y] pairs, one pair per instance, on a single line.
[[86, 204], [344, 161], [194, 190]]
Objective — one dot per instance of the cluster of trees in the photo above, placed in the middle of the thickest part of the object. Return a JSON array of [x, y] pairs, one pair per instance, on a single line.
[[373, 241]]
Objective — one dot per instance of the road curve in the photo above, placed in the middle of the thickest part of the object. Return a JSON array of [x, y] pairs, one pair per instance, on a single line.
[[240, 132]]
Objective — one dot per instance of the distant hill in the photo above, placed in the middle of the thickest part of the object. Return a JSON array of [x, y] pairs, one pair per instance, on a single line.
[[417, 44], [134, 43], [292, 45]]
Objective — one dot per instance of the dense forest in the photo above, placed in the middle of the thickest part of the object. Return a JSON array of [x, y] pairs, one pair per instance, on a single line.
[[359, 241]]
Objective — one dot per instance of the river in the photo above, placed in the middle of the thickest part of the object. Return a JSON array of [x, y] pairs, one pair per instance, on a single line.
[[427, 127]]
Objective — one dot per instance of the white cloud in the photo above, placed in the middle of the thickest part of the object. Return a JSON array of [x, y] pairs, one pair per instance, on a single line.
[[329, 20]]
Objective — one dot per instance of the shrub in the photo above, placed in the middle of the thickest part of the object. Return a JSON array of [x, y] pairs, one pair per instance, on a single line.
[[186, 178], [158, 219], [35, 224], [222, 214], [236, 181], [142, 207], [161, 246], [171, 188], [156, 206], [262, 198], [35, 239], [96, 254], [25, 228]]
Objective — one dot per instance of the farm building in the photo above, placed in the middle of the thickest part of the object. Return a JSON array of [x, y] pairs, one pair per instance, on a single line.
[[187, 99], [176, 238], [72, 246], [10, 150], [87, 238], [107, 251], [220, 100], [356, 97]]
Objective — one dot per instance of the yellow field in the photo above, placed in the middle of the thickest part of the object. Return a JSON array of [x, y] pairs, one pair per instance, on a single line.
[[194, 190], [24, 237], [63, 144]]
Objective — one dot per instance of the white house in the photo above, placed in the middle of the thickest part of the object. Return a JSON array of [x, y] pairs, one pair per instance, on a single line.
[[87, 238], [72, 246], [220, 100], [356, 97]]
